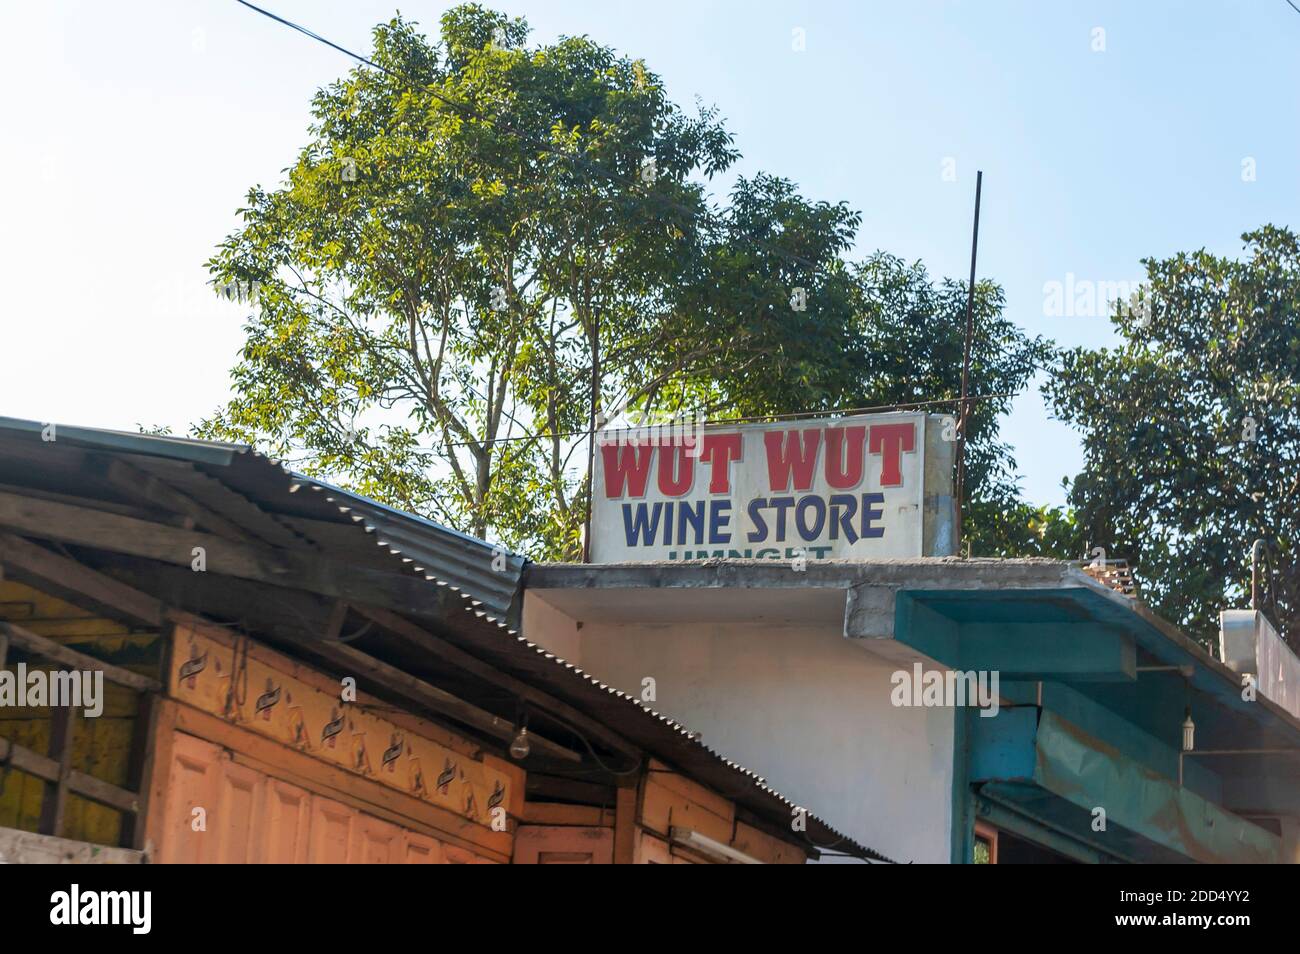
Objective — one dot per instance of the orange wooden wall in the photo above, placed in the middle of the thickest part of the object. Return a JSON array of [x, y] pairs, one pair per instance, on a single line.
[[249, 817]]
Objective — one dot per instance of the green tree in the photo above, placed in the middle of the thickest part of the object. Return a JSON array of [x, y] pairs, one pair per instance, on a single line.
[[475, 232], [914, 329], [483, 242], [1192, 447]]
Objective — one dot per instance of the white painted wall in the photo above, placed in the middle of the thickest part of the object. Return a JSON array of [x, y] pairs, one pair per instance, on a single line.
[[796, 703]]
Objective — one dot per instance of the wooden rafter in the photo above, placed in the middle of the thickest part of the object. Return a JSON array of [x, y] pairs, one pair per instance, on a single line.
[[299, 619], [133, 482], [305, 570], [77, 582], [428, 642], [42, 646], [216, 497]]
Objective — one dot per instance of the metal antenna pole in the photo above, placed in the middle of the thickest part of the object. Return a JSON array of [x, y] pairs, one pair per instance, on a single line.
[[964, 411]]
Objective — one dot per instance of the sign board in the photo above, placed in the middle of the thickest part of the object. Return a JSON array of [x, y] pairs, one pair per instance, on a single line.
[[848, 488]]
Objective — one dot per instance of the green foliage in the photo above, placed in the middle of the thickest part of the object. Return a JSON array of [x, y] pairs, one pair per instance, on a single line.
[[1004, 526], [478, 229], [462, 235], [1192, 447], [913, 330]]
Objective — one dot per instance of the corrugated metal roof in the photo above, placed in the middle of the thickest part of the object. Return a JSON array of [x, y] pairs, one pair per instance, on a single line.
[[487, 572], [181, 448]]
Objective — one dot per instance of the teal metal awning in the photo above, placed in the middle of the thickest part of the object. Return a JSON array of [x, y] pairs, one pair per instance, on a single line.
[[1095, 689], [1034, 763]]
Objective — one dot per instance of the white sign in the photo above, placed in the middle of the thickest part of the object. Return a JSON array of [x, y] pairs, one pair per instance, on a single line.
[[851, 488]]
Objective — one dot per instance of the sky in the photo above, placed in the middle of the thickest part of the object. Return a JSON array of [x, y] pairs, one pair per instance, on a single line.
[[1107, 132]]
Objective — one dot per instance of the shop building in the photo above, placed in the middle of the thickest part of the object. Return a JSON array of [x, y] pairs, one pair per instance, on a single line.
[[291, 673]]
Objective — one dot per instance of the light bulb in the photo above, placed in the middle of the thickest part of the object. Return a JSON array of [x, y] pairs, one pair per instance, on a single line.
[[1189, 731], [520, 747]]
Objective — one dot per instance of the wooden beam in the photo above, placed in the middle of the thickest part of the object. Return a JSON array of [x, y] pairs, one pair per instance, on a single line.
[[145, 731], [260, 607], [28, 848], [63, 576], [279, 567], [625, 824], [55, 803], [53, 456], [136, 483], [351, 535], [437, 700], [123, 510], [25, 760], [97, 790], [220, 499], [422, 639], [156, 785], [558, 813], [104, 531], [334, 626], [433, 698], [42, 646], [557, 788]]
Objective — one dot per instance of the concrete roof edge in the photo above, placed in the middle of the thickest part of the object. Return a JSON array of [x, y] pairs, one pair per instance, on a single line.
[[831, 574]]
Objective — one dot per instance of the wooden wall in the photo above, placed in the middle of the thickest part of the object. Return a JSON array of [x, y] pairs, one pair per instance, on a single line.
[[638, 828], [272, 792], [252, 817], [101, 746], [272, 789]]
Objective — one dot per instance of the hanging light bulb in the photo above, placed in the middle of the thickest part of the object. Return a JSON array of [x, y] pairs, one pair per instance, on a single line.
[[520, 747], [1189, 731]]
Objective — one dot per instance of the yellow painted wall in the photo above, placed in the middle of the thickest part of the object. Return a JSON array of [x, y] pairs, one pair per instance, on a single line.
[[101, 747]]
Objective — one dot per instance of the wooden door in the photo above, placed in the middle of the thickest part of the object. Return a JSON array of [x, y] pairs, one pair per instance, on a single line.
[[192, 791]]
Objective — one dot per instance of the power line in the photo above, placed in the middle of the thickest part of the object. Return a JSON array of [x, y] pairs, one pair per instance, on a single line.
[[469, 110]]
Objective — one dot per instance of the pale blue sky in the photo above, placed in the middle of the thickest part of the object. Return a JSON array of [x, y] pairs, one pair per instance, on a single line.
[[133, 129]]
